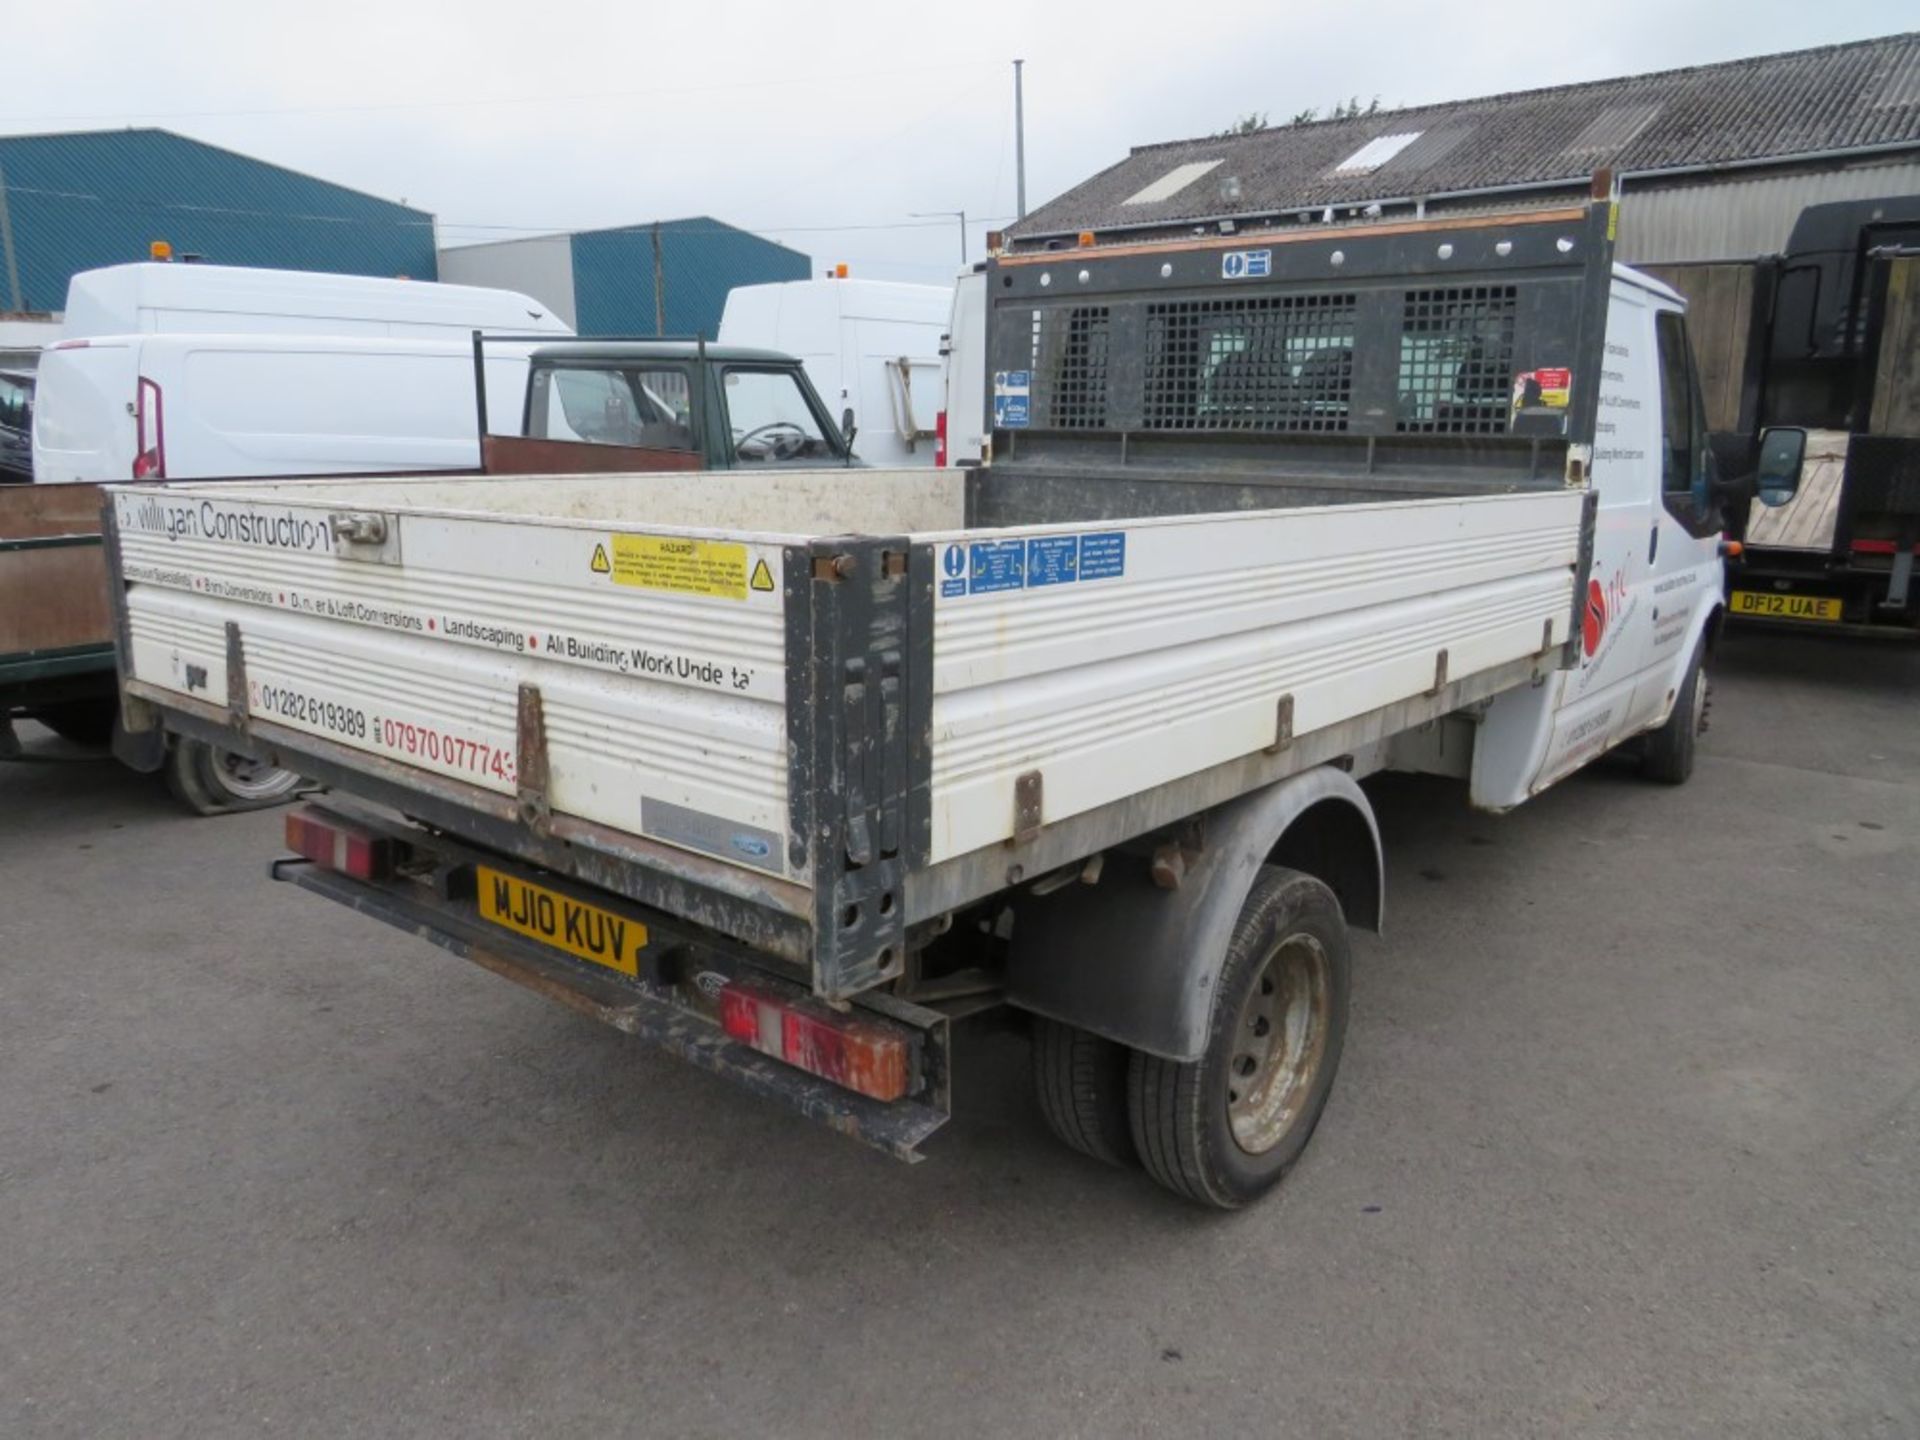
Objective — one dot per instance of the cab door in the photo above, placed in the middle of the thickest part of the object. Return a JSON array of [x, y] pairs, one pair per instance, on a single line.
[[1682, 576], [1592, 704]]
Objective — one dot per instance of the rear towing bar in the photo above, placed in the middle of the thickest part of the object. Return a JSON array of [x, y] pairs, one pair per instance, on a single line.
[[876, 1070]]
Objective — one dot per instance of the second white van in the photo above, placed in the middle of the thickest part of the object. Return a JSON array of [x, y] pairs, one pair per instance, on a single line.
[[202, 407], [871, 348]]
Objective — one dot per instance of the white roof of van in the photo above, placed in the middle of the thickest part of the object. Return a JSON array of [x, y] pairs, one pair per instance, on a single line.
[[866, 299], [153, 296]]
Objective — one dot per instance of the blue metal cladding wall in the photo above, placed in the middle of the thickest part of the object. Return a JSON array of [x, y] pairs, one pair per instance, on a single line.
[[701, 260], [79, 201]]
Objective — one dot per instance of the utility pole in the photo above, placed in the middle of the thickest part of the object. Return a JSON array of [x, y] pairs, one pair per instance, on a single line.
[[1019, 145], [959, 215], [659, 285]]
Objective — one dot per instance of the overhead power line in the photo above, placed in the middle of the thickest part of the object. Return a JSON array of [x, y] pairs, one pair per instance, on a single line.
[[175, 207], [491, 98]]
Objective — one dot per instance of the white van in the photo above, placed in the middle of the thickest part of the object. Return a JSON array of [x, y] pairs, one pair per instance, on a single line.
[[869, 346], [963, 429], [191, 372], [205, 407], [176, 299]]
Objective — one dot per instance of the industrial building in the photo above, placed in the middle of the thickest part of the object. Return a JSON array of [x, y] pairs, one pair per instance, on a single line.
[[1714, 162], [77, 201], [669, 277]]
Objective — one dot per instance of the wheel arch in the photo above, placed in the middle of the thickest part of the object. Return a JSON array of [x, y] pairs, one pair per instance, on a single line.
[[1138, 963], [1703, 638], [1336, 840]]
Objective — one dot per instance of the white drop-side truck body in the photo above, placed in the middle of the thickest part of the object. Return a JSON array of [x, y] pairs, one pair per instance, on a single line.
[[840, 755]]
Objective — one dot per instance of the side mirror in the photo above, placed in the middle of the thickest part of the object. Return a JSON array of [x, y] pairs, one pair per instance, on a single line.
[[847, 428], [1783, 450]]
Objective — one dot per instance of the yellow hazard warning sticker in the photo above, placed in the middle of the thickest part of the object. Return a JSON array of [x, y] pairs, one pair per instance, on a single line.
[[599, 564], [689, 567], [762, 577]]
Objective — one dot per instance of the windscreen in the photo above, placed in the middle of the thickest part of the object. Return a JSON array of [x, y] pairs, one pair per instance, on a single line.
[[770, 418]]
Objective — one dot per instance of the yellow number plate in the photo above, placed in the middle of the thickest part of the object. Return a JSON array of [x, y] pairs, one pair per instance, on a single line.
[[552, 918], [1785, 607]]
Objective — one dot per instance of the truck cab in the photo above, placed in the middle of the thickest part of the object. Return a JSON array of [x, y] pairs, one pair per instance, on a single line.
[[1820, 338], [1651, 608], [668, 404]]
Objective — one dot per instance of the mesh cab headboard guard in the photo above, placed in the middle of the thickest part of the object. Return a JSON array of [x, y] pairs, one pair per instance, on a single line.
[[1485, 328]]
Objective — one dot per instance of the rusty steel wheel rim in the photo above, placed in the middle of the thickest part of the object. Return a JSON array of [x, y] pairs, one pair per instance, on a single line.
[[249, 779], [1279, 1043]]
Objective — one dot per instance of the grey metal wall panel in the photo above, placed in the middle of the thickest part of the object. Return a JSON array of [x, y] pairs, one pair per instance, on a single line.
[[540, 266], [1737, 219]]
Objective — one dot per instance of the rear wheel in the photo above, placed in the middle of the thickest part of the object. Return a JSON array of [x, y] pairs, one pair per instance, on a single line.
[[1225, 1128], [1080, 1082], [1668, 755], [212, 781]]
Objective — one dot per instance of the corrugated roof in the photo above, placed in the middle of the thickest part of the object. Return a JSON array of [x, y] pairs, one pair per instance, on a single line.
[[85, 199], [1860, 96]]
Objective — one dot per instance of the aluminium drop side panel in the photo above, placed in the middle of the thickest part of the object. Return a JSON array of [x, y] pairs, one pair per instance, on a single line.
[[1114, 658], [662, 672]]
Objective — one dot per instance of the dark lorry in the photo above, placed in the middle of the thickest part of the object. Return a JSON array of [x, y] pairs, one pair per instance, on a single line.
[[1823, 336]]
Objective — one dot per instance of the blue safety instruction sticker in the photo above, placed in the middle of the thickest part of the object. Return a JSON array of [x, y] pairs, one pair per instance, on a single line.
[[996, 565], [953, 571], [1012, 394], [988, 566], [1246, 264], [1104, 556], [1053, 560]]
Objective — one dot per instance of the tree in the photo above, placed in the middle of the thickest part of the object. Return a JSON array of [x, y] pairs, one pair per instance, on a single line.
[[1255, 121], [1350, 109], [1248, 124]]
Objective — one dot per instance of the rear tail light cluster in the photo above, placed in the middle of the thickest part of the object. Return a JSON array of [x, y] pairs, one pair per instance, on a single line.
[[868, 1057], [333, 844], [150, 433], [940, 439]]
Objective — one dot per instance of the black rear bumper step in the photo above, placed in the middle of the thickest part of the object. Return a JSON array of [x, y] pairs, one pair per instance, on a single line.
[[645, 1011]]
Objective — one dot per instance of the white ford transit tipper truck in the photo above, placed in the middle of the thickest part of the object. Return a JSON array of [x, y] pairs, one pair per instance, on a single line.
[[784, 771]]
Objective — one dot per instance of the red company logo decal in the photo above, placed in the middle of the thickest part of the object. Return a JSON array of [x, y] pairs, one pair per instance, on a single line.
[[1593, 625], [1606, 605]]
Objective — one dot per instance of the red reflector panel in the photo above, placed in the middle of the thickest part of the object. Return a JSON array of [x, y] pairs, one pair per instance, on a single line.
[[335, 845], [865, 1056]]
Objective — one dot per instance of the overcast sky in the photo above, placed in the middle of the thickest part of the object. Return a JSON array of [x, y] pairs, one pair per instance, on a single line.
[[823, 125]]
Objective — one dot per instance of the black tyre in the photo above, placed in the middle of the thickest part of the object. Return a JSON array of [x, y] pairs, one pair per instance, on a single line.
[[211, 781], [1668, 753], [84, 722], [1080, 1081], [1224, 1129]]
